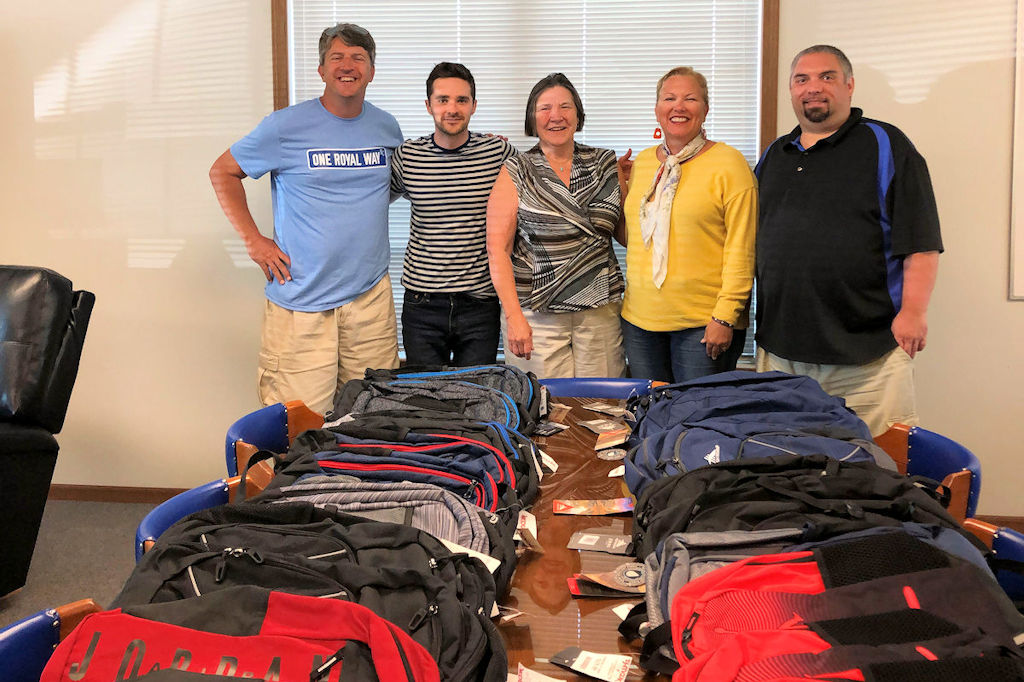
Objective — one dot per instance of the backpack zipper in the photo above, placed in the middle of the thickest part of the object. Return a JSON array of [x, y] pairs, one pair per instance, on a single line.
[[475, 486], [345, 548], [687, 635]]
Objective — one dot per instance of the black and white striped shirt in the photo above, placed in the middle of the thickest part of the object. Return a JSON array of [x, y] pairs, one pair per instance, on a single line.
[[448, 190]]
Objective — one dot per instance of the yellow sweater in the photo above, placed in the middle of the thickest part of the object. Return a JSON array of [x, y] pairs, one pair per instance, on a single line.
[[711, 244]]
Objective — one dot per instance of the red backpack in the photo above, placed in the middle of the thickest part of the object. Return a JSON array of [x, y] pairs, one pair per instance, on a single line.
[[843, 581], [241, 632]]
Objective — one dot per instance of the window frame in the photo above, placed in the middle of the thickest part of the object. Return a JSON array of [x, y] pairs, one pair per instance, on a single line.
[[768, 95], [769, 63]]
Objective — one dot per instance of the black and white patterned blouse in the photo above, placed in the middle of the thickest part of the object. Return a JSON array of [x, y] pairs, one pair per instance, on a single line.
[[562, 255]]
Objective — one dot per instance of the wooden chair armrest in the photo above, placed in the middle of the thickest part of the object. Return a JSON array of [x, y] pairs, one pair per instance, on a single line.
[[982, 530], [256, 480], [243, 451], [300, 418], [72, 614], [959, 486], [895, 442]]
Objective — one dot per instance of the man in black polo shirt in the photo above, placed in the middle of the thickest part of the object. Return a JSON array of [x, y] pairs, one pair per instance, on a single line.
[[848, 246]]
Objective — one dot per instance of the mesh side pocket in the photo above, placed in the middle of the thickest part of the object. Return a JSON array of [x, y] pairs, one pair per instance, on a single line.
[[989, 669], [893, 627], [877, 556]]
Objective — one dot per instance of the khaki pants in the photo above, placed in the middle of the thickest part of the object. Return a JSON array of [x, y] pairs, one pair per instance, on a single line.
[[581, 344], [881, 392], [308, 356]]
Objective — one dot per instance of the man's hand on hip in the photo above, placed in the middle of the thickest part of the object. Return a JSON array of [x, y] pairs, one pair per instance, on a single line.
[[272, 260]]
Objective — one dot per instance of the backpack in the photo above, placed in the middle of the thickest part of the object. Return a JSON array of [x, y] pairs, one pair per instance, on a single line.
[[240, 632], [443, 398], [683, 447], [858, 578], [737, 400], [519, 450], [678, 559], [896, 646], [443, 600], [522, 387], [481, 480], [429, 508], [826, 496]]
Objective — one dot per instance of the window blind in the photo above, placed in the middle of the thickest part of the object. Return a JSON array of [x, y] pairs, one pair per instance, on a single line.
[[613, 52]]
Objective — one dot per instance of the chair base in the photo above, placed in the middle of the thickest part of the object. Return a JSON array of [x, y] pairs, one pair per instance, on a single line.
[[28, 456]]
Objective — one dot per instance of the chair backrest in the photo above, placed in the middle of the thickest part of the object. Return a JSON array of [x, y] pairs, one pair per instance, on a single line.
[[598, 387], [1006, 544], [266, 428], [269, 428], [936, 456], [181, 505], [25, 646], [1009, 544], [42, 330]]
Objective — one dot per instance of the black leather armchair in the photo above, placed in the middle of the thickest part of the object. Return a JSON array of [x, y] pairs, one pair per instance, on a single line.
[[42, 329]]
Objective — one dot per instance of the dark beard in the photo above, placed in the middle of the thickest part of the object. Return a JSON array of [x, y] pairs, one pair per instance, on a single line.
[[817, 115]]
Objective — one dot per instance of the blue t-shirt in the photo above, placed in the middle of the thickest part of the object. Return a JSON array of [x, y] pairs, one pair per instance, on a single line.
[[329, 185]]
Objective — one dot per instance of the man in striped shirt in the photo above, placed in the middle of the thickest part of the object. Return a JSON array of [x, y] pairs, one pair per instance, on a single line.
[[451, 314]]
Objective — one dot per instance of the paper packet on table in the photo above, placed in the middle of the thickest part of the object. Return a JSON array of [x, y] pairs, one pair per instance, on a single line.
[[606, 408], [607, 667], [616, 505]]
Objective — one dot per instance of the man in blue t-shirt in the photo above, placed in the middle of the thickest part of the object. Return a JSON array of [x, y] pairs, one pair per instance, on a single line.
[[329, 310]]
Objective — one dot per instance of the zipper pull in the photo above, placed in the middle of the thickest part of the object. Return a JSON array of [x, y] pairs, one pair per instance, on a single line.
[[421, 616], [255, 555], [325, 667], [688, 635], [222, 568]]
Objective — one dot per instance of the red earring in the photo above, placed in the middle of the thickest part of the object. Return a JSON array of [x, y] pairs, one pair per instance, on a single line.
[[657, 133]]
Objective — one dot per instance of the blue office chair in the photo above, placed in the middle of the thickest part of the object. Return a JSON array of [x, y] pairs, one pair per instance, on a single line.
[[1009, 544], [164, 515], [26, 646], [266, 428], [935, 456], [598, 387], [1005, 543], [269, 428]]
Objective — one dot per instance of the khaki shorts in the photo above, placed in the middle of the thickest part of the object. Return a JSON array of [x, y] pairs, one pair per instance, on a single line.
[[309, 356], [581, 344], [881, 392]]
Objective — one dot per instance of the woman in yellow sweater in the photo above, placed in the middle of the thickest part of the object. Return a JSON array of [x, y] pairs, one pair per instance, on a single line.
[[690, 220]]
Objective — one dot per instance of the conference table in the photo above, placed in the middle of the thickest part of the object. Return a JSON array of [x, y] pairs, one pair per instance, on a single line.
[[552, 619]]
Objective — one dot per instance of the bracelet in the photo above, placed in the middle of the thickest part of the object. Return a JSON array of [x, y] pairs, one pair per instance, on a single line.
[[721, 322]]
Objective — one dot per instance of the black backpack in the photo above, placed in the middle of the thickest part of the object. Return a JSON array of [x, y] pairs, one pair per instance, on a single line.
[[427, 507], [827, 496], [443, 600]]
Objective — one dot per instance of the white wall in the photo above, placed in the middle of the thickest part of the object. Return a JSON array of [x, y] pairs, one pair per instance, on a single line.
[[114, 111], [943, 71]]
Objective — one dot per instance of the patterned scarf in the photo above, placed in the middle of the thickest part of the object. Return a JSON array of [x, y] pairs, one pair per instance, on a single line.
[[656, 206]]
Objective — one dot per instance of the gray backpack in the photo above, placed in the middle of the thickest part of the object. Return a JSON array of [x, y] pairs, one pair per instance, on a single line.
[[678, 559], [425, 507]]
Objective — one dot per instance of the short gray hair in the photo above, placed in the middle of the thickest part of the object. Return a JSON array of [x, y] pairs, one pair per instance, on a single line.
[[844, 62], [350, 34]]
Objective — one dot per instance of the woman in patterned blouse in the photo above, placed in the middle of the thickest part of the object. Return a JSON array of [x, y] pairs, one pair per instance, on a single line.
[[550, 221]]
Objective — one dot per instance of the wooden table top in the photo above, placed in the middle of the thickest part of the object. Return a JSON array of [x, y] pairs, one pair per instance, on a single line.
[[553, 619]]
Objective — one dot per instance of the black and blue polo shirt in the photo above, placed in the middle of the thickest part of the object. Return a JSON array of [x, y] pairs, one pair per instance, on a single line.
[[835, 222]]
